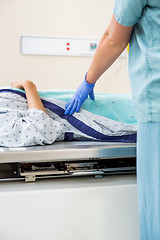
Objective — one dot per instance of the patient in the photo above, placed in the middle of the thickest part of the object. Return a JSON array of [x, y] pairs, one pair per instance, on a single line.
[[27, 120]]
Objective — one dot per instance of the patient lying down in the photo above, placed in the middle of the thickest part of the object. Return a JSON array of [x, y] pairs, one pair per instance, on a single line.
[[26, 120]]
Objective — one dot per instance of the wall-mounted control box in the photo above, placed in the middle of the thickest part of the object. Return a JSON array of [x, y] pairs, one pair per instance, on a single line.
[[58, 46]]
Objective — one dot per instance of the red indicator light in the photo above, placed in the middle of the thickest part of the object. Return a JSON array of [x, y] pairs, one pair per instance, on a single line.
[[68, 48], [68, 44]]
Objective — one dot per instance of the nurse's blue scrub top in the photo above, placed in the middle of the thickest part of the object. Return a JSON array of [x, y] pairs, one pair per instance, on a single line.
[[144, 54]]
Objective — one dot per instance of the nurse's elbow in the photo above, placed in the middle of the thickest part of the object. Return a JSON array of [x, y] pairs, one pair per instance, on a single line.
[[112, 42]]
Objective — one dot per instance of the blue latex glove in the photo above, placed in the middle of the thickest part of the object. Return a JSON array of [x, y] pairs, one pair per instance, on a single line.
[[79, 97]]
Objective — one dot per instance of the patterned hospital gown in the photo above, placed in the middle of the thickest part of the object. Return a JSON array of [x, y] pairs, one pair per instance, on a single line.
[[20, 126]]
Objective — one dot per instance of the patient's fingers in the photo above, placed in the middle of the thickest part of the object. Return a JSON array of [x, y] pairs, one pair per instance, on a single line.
[[17, 84]]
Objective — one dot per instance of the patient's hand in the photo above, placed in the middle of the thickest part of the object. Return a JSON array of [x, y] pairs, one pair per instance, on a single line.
[[21, 84], [31, 92]]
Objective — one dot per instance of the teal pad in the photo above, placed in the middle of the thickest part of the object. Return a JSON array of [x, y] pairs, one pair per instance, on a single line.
[[118, 107]]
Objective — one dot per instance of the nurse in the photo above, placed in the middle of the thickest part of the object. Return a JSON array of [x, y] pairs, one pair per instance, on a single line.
[[136, 22]]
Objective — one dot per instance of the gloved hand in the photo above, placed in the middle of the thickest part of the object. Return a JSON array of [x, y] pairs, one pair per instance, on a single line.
[[79, 97]]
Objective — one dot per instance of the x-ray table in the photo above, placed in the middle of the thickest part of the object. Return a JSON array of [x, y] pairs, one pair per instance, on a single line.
[[75, 190]]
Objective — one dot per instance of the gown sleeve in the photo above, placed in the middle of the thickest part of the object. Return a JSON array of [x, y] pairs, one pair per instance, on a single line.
[[33, 127]]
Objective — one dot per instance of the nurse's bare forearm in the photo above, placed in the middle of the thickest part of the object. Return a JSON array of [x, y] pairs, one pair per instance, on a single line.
[[105, 56], [112, 44], [32, 95]]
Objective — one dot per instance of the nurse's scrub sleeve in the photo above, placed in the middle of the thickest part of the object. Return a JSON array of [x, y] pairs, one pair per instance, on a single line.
[[128, 12]]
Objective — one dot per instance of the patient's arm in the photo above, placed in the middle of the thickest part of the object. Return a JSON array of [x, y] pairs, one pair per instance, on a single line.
[[32, 95]]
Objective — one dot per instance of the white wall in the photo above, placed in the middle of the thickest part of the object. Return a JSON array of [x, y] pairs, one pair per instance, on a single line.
[[51, 18]]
